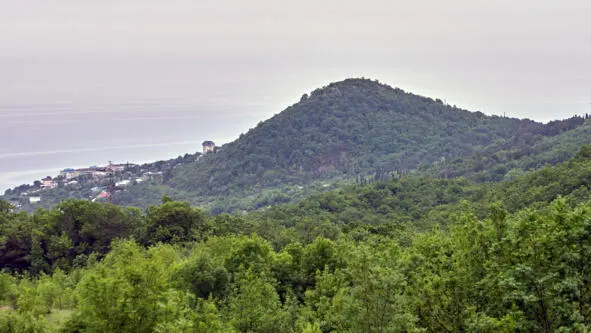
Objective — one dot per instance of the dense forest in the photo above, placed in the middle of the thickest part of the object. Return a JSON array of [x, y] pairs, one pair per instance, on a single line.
[[347, 132], [527, 151], [410, 254], [355, 127]]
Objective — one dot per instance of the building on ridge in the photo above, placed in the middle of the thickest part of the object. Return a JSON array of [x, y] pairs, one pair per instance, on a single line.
[[208, 146]]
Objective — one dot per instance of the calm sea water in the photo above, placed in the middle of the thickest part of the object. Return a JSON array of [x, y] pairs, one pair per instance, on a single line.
[[40, 140]]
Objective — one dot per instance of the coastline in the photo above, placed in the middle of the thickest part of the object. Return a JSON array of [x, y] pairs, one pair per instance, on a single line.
[[138, 154]]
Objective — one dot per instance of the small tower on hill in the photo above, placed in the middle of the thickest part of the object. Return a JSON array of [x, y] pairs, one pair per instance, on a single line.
[[208, 146]]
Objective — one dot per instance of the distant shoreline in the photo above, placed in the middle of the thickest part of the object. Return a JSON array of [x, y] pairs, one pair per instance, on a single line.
[[12, 179]]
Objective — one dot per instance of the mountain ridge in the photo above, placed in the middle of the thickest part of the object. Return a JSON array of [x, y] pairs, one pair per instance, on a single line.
[[354, 127]]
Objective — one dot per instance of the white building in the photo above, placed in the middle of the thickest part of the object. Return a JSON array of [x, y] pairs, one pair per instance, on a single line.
[[123, 183], [69, 173]]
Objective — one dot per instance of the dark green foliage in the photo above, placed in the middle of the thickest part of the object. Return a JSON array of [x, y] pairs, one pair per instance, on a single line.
[[64, 236], [348, 128], [174, 222], [203, 277], [525, 152], [426, 201]]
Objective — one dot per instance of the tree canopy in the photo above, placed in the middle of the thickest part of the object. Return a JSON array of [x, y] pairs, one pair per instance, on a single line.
[[406, 255]]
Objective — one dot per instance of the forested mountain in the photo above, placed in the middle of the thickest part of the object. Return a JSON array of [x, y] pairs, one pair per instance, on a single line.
[[346, 132], [422, 202], [349, 128], [414, 254], [529, 150]]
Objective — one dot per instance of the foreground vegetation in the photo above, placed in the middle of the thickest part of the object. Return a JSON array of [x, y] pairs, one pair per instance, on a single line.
[[408, 255], [509, 272]]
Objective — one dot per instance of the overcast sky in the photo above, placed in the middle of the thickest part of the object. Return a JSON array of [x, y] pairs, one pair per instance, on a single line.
[[523, 58]]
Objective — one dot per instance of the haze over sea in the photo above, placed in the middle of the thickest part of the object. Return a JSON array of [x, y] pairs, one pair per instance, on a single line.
[[42, 139]]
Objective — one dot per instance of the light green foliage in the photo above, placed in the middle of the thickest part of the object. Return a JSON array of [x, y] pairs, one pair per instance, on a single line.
[[123, 293], [377, 300], [13, 322], [43, 294], [250, 253], [180, 316], [35, 305], [255, 306], [311, 328], [7, 288], [549, 270]]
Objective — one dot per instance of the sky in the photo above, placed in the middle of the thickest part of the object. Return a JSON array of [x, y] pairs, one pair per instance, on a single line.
[[520, 58]]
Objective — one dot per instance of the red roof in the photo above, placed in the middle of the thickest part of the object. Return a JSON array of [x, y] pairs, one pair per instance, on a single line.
[[103, 195]]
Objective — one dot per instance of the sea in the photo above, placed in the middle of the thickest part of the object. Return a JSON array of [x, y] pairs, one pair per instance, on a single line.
[[41, 139]]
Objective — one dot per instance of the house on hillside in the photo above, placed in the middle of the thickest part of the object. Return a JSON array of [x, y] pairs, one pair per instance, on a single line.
[[115, 167], [48, 182], [103, 195], [69, 173], [15, 204], [99, 174], [208, 146], [72, 183], [93, 171], [97, 189], [123, 183]]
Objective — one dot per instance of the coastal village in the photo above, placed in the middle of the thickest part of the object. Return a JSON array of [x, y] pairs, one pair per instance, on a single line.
[[99, 183], [105, 180]]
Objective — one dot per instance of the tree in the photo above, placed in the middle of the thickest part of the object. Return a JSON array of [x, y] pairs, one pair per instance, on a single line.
[[174, 222], [124, 292], [255, 306]]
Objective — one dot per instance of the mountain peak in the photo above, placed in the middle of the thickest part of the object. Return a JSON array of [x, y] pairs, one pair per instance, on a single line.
[[353, 84], [351, 127]]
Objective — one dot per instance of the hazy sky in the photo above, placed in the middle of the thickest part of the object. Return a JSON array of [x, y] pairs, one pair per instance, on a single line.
[[523, 58]]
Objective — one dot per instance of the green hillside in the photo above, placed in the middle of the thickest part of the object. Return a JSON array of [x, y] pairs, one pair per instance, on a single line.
[[528, 151], [422, 202], [410, 255], [348, 128]]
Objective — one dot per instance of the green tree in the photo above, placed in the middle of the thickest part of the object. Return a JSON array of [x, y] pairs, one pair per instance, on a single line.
[[175, 222], [254, 306], [124, 292]]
